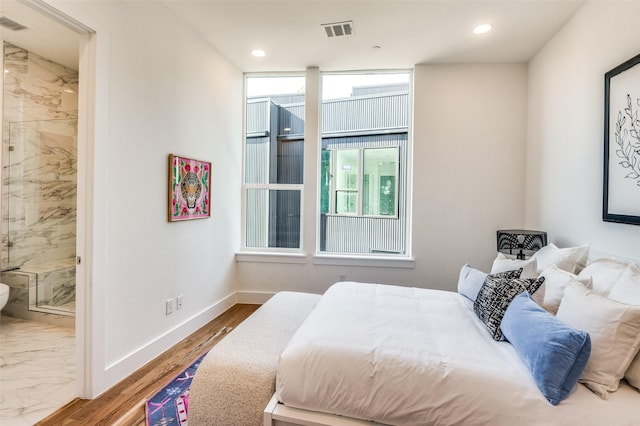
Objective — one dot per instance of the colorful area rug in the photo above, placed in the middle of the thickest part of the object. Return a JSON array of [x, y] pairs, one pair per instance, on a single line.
[[171, 405]]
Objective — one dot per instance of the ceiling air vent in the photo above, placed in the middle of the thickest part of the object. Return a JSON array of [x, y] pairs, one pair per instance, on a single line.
[[10, 24], [338, 29]]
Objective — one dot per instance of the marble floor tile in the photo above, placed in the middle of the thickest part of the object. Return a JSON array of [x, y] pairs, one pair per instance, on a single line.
[[37, 370]]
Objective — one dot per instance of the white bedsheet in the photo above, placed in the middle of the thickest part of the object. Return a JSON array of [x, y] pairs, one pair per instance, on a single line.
[[409, 356]]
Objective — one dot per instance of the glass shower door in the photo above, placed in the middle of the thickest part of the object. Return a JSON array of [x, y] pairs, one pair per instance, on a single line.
[[39, 203]]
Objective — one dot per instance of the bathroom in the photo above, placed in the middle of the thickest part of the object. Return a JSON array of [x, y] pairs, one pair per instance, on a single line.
[[38, 207], [39, 157]]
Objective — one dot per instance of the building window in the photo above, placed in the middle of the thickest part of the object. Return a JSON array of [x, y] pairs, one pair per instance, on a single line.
[[380, 175], [273, 167], [363, 171], [364, 181], [346, 181]]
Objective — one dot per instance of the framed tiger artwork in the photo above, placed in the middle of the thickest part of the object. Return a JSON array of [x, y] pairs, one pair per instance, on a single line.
[[189, 188]]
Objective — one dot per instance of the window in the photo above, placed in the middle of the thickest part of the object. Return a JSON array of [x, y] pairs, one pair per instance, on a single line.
[[363, 172], [364, 181], [273, 152], [380, 174], [346, 181]]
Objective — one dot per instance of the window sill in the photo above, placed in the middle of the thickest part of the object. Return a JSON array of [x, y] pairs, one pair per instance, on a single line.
[[371, 261], [265, 257], [324, 259]]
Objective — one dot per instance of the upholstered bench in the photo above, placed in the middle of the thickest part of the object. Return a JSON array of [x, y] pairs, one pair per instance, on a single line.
[[236, 379]]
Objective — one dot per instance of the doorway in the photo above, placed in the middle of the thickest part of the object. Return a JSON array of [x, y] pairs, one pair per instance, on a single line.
[[57, 39]]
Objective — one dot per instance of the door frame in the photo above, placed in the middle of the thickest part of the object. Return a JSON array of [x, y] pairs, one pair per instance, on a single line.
[[87, 363]]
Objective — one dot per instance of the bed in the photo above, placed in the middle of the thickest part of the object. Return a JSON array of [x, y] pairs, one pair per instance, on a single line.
[[372, 354], [380, 354]]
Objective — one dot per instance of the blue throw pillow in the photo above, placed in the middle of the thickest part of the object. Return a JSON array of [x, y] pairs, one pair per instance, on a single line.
[[554, 353], [470, 282]]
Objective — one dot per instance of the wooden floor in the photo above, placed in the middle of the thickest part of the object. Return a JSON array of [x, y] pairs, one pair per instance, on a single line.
[[123, 404]]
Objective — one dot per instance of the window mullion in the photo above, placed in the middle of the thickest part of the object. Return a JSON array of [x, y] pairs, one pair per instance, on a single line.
[[332, 182], [359, 186]]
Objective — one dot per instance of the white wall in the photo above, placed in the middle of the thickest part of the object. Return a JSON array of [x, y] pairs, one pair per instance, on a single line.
[[469, 148], [160, 89], [565, 127], [469, 151]]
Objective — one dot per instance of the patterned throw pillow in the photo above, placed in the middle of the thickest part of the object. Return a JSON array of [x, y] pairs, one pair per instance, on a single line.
[[495, 296], [471, 280], [509, 275]]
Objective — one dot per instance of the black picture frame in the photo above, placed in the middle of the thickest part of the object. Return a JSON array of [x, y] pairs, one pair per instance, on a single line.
[[621, 177]]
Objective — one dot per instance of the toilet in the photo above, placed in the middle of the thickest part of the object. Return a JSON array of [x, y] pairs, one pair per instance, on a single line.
[[4, 295]]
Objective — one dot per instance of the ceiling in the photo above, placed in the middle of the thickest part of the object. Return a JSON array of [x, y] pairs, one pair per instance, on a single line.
[[408, 32], [43, 36], [290, 32]]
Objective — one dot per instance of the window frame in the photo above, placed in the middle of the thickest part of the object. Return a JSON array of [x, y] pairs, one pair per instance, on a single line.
[[333, 190], [310, 235], [286, 252]]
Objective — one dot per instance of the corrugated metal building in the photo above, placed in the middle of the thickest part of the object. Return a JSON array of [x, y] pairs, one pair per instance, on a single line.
[[367, 217]]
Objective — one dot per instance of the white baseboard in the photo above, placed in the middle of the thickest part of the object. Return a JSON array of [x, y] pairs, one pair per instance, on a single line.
[[128, 364]]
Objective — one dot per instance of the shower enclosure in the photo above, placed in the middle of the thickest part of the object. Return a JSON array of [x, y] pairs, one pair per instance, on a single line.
[[40, 203], [39, 164]]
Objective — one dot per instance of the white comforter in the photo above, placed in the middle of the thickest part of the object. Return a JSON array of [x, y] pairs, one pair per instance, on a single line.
[[411, 356]]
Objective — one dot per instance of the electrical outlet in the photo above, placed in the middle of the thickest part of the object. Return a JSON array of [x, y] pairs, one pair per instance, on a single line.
[[169, 306], [179, 302]]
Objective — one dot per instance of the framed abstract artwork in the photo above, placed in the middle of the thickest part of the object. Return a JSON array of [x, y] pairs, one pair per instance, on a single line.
[[189, 188], [621, 192]]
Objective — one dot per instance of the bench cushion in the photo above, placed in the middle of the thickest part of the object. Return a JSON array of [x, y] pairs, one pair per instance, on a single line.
[[236, 379]]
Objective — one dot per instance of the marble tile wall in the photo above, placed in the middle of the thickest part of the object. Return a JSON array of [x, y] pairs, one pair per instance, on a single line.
[[39, 161]]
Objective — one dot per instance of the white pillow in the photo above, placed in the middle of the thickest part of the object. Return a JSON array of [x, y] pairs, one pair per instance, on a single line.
[[633, 373], [604, 273], [503, 264], [614, 329], [556, 280], [578, 255], [539, 294], [550, 255], [627, 290]]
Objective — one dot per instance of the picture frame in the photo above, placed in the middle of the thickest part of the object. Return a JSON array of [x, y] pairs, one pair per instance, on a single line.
[[621, 177], [189, 188]]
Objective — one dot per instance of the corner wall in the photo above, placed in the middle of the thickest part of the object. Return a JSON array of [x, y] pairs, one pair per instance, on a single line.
[[565, 127], [160, 89]]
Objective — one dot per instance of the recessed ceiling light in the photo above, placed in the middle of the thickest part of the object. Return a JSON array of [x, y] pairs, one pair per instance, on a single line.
[[258, 53], [482, 28]]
